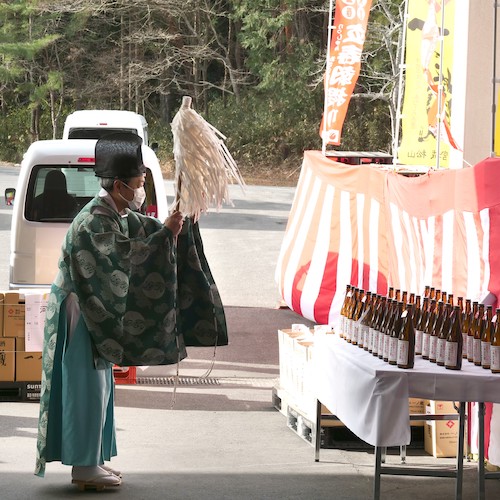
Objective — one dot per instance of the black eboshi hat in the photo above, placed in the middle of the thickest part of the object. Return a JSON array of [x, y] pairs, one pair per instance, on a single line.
[[119, 155]]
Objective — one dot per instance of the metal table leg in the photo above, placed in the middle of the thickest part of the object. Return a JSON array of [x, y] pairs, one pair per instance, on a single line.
[[317, 440], [480, 463], [460, 451], [378, 470]]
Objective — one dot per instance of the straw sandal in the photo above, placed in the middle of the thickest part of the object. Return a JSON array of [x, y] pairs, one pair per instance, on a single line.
[[99, 482]]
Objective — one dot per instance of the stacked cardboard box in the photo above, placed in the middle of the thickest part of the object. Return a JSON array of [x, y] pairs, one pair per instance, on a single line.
[[16, 364], [441, 436], [296, 377]]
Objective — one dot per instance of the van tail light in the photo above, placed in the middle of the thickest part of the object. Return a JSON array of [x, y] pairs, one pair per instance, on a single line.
[[85, 159]]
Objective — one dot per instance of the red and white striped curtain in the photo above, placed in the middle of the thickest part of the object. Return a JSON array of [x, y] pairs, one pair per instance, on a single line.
[[371, 227]]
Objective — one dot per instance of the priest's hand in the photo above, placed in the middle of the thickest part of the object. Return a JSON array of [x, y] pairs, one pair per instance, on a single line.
[[174, 222]]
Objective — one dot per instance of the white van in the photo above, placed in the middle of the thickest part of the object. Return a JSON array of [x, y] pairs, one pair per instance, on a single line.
[[94, 123], [55, 181]]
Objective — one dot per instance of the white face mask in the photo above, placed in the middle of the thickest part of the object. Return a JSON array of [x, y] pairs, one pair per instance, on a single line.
[[137, 200]]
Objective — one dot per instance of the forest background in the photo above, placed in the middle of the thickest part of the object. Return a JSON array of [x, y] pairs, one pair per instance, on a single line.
[[254, 69]]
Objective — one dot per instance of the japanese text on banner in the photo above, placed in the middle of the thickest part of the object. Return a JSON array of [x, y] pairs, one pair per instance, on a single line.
[[343, 64]]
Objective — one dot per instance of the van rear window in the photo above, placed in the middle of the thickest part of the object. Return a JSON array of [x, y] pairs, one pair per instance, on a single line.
[[56, 193], [96, 133]]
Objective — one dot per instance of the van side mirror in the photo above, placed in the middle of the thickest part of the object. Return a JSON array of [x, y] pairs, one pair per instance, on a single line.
[[10, 194], [155, 146]]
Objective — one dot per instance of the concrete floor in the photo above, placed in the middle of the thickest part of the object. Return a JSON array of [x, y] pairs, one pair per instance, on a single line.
[[222, 439]]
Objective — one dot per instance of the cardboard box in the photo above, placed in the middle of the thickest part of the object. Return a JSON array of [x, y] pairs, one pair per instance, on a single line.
[[416, 406], [28, 364], [2, 299], [441, 436], [7, 359], [14, 315]]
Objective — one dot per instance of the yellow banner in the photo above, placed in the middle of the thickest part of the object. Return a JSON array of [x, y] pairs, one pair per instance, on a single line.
[[424, 103]]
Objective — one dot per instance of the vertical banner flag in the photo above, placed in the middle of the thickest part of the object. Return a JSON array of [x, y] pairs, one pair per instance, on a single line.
[[425, 104], [343, 64]]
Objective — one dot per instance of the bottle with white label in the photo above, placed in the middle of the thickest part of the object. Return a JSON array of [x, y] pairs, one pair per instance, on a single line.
[[495, 345], [471, 332], [478, 335], [364, 322], [417, 320], [435, 332], [486, 339], [350, 312], [454, 342], [426, 332], [373, 332], [387, 329], [443, 335], [360, 307], [380, 325], [406, 340], [395, 332], [466, 320], [343, 311]]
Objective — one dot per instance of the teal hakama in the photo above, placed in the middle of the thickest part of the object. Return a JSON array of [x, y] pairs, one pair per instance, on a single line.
[[81, 425]]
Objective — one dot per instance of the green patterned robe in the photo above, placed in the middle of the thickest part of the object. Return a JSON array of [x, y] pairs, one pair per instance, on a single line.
[[143, 295]]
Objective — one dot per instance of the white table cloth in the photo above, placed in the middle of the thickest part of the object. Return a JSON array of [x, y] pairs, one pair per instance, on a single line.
[[371, 397]]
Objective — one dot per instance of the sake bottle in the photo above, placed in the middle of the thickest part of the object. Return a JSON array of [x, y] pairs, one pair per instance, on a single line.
[[364, 322], [388, 328], [406, 340], [478, 335], [435, 332], [486, 339], [395, 331], [426, 336], [466, 319], [380, 325], [495, 345], [420, 325], [350, 312], [357, 315], [371, 331], [376, 324], [470, 333], [454, 342], [343, 311], [443, 335]]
